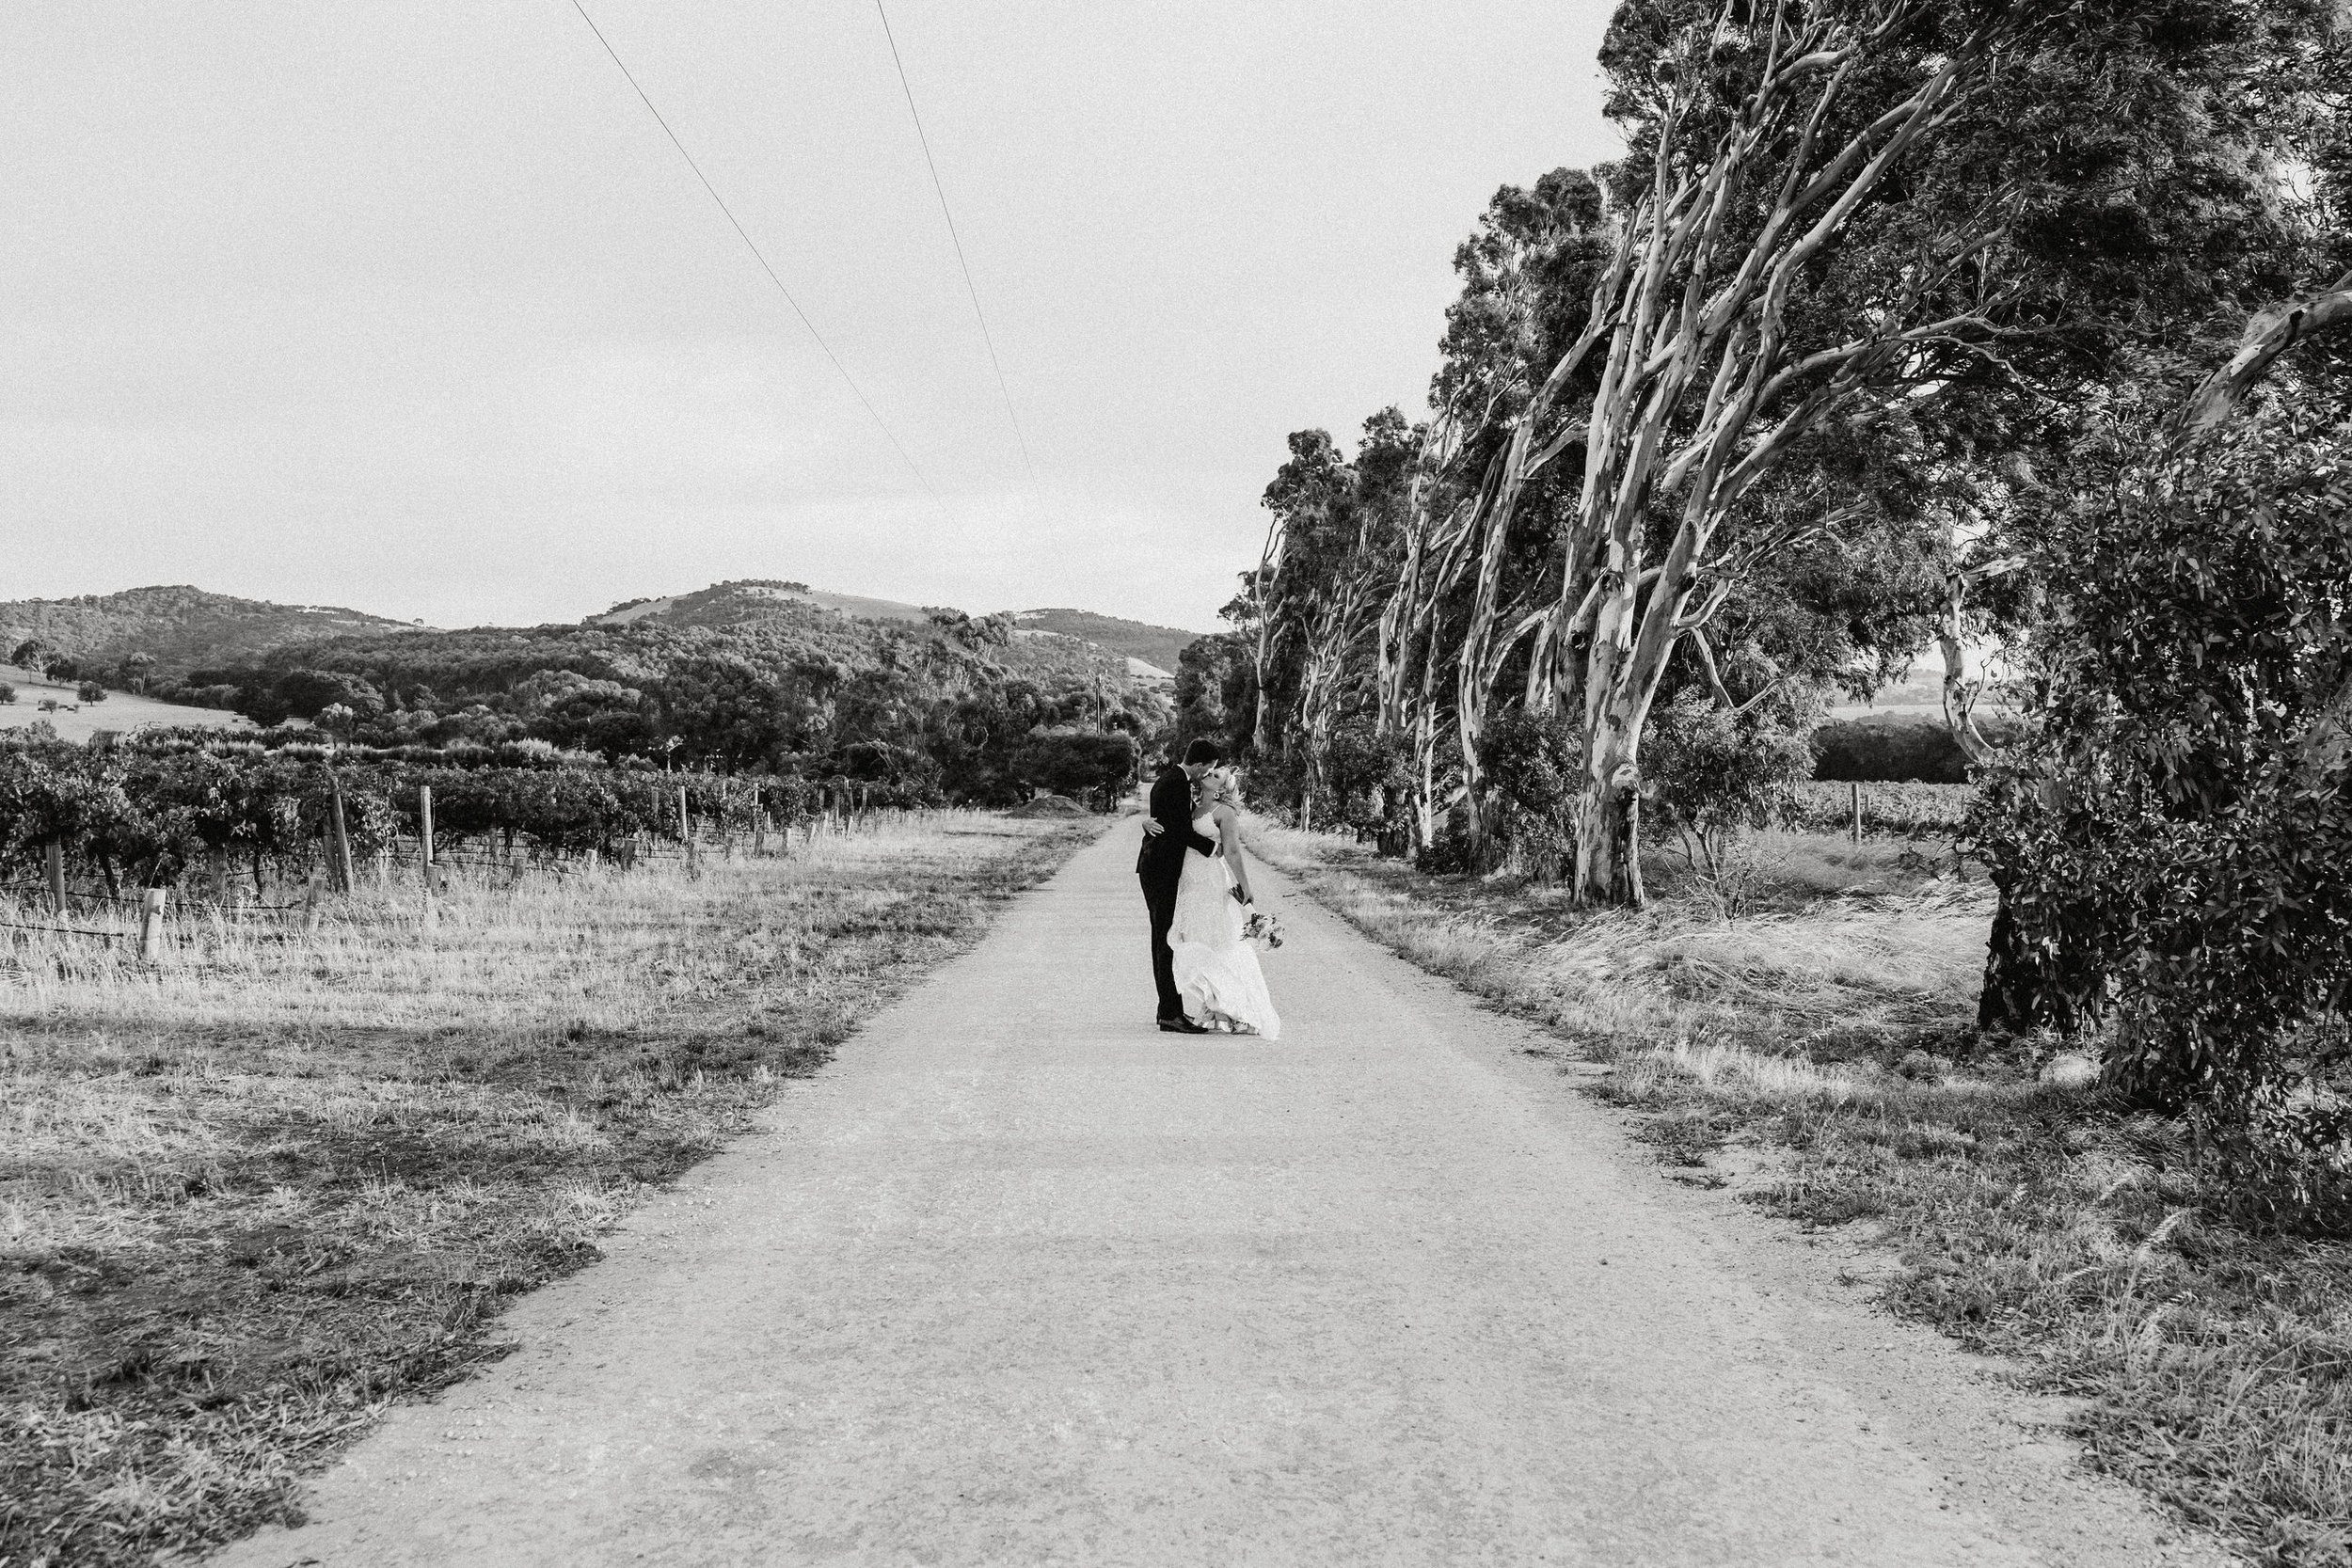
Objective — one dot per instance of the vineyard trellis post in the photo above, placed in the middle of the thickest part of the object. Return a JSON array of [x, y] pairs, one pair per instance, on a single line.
[[340, 841], [424, 836], [151, 925]]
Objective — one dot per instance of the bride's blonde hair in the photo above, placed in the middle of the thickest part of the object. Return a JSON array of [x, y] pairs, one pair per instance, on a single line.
[[1218, 784]]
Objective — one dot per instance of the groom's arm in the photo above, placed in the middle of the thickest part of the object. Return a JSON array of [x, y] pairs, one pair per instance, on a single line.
[[1171, 808]]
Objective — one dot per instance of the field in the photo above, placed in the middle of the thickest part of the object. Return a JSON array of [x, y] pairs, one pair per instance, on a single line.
[[1817, 1055], [1897, 810], [122, 711], [249, 1196]]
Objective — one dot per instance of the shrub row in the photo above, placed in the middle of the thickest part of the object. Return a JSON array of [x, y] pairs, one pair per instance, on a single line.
[[1891, 752]]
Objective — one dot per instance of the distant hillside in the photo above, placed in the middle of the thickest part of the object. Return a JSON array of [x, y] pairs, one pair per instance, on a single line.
[[1157, 647], [1049, 640], [729, 604], [797, 610], [738, 674], [182, 627]]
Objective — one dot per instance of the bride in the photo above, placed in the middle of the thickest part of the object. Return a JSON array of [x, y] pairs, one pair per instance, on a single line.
[[1217, 972]]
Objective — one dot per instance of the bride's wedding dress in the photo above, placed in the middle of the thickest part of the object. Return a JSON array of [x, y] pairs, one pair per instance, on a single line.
[[1217, 972]]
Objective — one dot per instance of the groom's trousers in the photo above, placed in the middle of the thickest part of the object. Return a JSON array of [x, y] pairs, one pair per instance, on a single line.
[[1159, 895]]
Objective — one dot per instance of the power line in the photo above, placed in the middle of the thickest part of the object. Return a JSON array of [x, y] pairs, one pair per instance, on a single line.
[[956, 240], [751, 245]]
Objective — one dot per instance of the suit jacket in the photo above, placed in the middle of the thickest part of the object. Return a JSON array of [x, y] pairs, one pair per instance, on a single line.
[[1162, 857]]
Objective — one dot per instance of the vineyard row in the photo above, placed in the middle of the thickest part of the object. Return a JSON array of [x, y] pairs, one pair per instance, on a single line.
[[110, 821]]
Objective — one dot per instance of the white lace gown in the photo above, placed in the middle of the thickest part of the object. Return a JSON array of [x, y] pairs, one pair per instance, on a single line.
[[1217, 972]]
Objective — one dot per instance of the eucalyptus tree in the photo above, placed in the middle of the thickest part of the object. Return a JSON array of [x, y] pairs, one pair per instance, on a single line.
[[1318, 597], [1470, 552], [1829, 219]]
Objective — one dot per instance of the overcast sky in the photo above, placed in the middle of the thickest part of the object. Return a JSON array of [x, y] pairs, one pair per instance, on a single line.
[[411, 308]]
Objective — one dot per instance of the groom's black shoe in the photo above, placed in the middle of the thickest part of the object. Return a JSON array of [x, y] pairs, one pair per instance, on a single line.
[[1181, 1026]]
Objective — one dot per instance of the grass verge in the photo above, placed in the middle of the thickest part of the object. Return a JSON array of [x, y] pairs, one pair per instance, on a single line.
[[1818, 1052], [252, 1195]]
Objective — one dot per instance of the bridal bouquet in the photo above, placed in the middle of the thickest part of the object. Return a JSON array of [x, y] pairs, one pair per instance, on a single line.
[[1262, 929]]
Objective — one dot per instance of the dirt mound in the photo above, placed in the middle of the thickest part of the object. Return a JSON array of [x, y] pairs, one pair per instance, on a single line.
[[1050, 805]]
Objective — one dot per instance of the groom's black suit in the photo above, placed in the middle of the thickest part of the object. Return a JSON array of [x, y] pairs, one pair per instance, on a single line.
[[1160, 864]]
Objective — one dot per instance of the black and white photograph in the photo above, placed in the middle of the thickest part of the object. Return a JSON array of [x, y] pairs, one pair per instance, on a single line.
[[1273, 785]]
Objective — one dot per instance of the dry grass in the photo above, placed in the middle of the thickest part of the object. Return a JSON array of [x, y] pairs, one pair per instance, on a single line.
[[252, 1194], [1820, 1052]]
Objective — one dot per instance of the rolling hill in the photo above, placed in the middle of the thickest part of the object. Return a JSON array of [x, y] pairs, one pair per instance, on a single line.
[[1157, 647], [732, 603], [751, 599], [796, 610], [204, 644], [182, 627]]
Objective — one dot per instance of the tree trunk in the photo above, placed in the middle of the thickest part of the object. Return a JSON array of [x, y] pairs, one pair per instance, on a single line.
[[1628, 662], [1607, 834], [1424, 806], [1959, 695]]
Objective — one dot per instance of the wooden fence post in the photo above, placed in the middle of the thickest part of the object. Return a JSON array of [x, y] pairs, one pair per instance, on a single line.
[[151, 925], [425, 836], [339, 863], [53, 862], [1853, 800], [311, 892]]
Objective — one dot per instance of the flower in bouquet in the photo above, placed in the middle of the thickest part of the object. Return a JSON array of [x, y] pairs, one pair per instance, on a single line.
[[1262, 929]]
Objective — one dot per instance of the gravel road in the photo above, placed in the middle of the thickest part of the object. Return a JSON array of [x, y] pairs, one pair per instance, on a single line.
[[1021, 1280]]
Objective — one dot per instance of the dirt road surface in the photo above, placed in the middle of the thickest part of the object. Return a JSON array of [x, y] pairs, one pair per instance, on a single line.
[[1021, 1280]]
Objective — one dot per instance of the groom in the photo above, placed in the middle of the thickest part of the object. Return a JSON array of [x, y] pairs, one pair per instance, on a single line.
[[1161, 866]]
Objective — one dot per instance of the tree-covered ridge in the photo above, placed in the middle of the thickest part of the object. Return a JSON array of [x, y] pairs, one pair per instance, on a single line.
[[1161, 647], [178, 627], [731, 678]]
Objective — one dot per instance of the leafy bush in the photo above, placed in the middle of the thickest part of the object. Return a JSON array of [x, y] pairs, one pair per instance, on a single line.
[[1366, 778], [1710, 772], [7, 693], [1078, 763], [90, 691], [2174, 843], [1532, 765]]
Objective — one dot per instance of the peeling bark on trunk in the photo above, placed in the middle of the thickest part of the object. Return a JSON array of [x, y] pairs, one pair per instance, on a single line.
[[1960, 693]]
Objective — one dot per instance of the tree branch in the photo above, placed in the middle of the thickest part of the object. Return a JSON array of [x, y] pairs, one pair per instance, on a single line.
[[2267, 336]]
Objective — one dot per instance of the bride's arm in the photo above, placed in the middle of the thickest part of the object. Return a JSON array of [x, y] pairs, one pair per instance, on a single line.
[[1228, 838]]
